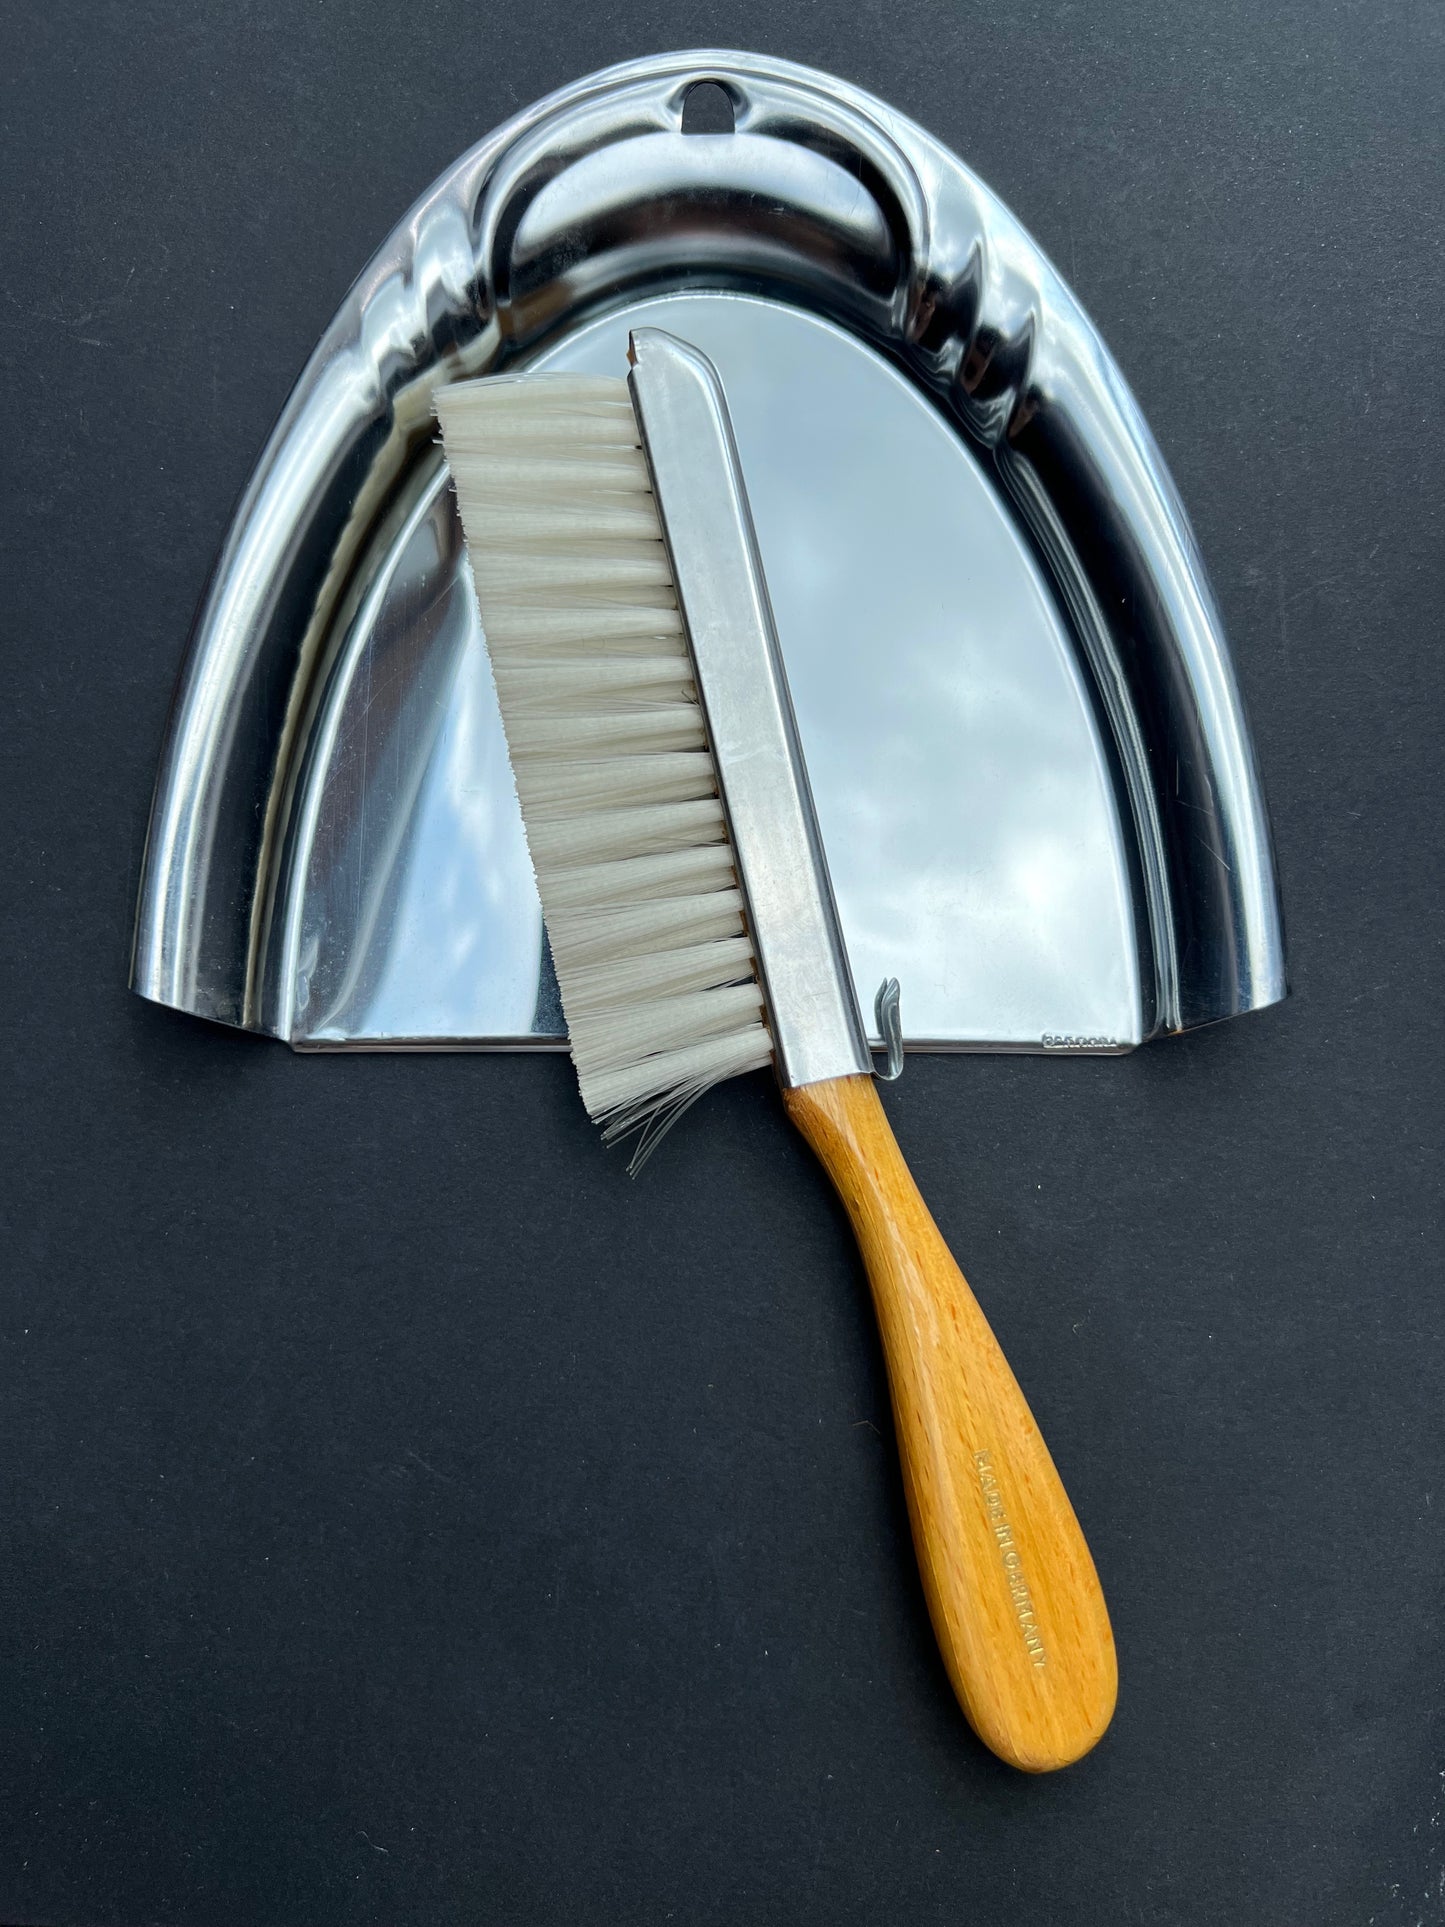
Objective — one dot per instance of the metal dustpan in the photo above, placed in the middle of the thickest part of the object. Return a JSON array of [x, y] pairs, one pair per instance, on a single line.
[[1032, 771]]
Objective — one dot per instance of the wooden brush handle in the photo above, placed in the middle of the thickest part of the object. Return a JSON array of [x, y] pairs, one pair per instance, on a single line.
[[1012, 1589]]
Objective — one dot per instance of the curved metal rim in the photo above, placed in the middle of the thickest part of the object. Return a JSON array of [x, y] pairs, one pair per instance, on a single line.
[[949, 285]]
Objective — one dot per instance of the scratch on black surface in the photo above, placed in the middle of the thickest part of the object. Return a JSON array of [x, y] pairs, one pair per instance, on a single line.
[[426, 1467]]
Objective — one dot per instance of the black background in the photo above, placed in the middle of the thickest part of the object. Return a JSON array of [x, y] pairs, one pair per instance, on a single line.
[[407, 1520]]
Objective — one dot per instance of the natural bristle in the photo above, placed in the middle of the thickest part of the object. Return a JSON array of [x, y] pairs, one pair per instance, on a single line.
[[618, 791]]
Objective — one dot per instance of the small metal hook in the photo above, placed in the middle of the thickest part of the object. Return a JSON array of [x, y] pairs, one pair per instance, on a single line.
[[890, 1029]]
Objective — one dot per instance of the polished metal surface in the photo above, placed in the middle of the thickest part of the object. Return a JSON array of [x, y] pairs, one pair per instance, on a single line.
[[888, 1018], [957, 768], [1030, 764], [742, 686]]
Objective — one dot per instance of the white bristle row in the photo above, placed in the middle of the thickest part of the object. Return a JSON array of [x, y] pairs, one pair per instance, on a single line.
[[597, 935], [593, 838], [618, 792]]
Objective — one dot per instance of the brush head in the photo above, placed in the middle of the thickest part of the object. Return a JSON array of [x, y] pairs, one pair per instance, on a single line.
[[620, 797]]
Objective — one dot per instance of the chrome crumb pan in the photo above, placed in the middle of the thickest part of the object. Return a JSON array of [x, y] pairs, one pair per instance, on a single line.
[[1031, 767]]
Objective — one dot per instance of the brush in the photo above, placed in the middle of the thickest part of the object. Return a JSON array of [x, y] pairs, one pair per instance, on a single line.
[[692, 924]]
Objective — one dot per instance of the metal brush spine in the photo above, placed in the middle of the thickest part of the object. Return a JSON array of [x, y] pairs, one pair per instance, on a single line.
[[813, 1015]]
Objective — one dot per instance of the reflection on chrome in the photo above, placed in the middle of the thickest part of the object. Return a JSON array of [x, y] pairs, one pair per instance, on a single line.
[[1031, 767]]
